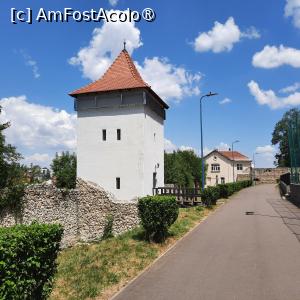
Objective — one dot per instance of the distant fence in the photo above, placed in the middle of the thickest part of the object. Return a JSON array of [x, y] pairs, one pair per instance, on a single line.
[[183, 195]]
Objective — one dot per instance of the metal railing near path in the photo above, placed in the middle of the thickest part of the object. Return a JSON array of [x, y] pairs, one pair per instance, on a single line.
[[190, 196]]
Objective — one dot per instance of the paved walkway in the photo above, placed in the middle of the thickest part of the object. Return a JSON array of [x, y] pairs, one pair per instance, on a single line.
[[231, 255]]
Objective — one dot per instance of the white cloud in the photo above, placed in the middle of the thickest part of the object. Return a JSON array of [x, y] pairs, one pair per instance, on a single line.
[[292, 9], [225, 101], [105, 45], [265, 149], [291, 88], [187, 148], [251, 33], [265, 156], [169, 81], [271, 99], [223, 146], [274, 57], [171, 147], [113, 2], [166, 79], [222, 37], [38, 158], [206, 150], [37, 129], [31, 63]]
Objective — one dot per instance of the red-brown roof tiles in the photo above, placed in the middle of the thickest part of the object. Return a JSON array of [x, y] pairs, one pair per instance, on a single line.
[[122, 74], [234, 155]]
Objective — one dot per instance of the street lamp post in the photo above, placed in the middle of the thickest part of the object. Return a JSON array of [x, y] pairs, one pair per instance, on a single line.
[[202, 161], [255, 153], [253, 172], [233, 159]]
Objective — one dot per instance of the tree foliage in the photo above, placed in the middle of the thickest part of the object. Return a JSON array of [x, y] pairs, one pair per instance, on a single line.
[[12, 174], [280, 137], [183, 168], [35, 174], [64, 170]]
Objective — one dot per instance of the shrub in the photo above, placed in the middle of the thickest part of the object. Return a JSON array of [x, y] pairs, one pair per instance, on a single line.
[[27, 260], [224, 190], [211, 194], [157, 214], [231, 188], [108, 228], [64, 170]]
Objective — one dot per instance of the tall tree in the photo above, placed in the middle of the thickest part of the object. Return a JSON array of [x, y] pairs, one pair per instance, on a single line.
[[11, 172], [280, 137], [183, 168], [9, 158], [64, 170]]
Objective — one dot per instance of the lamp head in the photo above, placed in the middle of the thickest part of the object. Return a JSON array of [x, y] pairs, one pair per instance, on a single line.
[[211, 94]]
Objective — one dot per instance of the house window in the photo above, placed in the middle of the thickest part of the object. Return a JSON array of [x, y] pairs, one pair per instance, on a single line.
[[222, 180], [118, 134], [118, 183], [239, 167], [103, 134], [215, 167], [217, 179]]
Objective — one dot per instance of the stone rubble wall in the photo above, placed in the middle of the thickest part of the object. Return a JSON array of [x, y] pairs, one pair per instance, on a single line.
[[243, 177], [269, 175], [83, 211], [265, 175]]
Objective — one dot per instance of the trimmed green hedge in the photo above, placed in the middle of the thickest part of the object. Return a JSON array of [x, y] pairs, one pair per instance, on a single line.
[[157, 214], [211, 194], [27, 260]]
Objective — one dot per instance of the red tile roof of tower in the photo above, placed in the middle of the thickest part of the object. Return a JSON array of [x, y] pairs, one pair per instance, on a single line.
[[121, 75]]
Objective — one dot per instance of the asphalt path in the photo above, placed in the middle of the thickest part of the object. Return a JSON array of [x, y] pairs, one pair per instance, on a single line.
[[231, 255]]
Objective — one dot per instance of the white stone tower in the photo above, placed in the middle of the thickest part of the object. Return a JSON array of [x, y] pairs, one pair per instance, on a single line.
[[120, 133]]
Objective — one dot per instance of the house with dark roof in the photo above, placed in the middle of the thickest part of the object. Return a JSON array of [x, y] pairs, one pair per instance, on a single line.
[[226, 166], [120, 131]]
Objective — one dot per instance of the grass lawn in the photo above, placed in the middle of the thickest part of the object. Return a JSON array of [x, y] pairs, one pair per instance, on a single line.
[[98, 270]]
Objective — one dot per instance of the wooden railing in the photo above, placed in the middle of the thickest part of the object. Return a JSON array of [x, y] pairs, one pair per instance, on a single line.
[[183, 195]]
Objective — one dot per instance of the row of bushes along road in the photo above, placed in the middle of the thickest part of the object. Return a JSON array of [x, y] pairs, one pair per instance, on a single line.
[[211, 194], [158, 213]]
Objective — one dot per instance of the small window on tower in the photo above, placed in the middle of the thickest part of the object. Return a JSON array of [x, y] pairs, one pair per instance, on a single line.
[[118, 134], [118, 183], [103, 134]]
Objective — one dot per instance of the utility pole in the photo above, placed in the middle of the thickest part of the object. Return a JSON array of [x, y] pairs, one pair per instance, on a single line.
[[233, 178], [202, 160]]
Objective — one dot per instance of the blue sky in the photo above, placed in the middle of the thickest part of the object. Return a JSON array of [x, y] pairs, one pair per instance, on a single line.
[[248, 57]]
